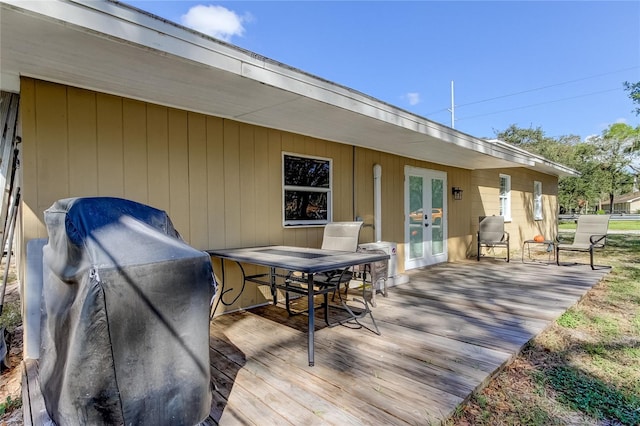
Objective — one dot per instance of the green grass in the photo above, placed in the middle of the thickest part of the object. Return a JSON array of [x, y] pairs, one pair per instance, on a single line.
[[614, 225], [598, 399], [581, 370], [10, 317], [572, 319], [9, 405]]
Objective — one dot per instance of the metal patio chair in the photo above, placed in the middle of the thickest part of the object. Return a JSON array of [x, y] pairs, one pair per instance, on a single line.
[[342, 236], [591, 234], [491, 234]]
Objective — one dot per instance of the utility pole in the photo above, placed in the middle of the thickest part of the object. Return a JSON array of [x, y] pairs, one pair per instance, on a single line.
[[453, 109]]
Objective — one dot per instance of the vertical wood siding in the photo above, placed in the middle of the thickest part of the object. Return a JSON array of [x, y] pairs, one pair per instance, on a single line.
[[220, 181], [485, 202]]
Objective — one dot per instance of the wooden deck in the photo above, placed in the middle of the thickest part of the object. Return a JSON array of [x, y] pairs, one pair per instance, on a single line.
[[444, 335]]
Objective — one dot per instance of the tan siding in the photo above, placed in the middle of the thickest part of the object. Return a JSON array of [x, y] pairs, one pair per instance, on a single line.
[[51, 142], [289, 235], [274, 202], [392, 189], [32, 224], [215, 176], [248, 188], [83, 150], [158, 157], [198, 220], [221, 181], [522, 225], [134, 131], [231, 152], [110, 146], [262, 195], [178, 170]]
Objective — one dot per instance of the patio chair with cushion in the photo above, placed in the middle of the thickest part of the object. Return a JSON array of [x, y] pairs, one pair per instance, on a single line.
[[342, 236], [491, 234], [591, 234]]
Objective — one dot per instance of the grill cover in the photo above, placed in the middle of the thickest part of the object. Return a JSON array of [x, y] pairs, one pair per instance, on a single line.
[[125, 325]]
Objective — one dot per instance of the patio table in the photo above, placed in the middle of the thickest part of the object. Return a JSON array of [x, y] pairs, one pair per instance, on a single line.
[[308, 261], [550, 250]]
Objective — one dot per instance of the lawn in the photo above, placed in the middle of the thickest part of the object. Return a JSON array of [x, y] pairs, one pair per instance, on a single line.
[[614, 225], [584, 368]]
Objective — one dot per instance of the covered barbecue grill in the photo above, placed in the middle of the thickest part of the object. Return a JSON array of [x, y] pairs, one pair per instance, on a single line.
[[125, 317]]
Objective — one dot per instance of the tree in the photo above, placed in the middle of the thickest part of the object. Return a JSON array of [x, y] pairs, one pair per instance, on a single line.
[[577, 193], [634, 93], [602, 162], [615, 154]]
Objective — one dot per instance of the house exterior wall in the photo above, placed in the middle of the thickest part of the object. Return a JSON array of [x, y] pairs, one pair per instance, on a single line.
[[628, 207], [393, 169], [220, 180], [522, 226]]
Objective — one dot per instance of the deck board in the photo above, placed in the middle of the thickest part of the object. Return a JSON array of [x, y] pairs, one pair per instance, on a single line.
[[444, 334]]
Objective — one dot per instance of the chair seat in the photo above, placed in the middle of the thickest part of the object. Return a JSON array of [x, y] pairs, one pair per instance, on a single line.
[[590, 234], [491, 233], [490, 243], [575, 247], [332, 278]]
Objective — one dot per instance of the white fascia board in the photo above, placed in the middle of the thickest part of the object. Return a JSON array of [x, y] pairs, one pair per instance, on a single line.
[[113, 21], [537, 160], [9, 82]]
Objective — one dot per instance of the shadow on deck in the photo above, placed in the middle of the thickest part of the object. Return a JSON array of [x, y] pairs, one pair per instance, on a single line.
[[445, 334]]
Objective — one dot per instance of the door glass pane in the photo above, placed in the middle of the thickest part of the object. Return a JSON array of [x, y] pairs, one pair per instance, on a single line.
[[416, 217], [437, 216]]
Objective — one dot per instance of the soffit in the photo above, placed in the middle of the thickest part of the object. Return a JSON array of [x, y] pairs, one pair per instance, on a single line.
[[106, 47]]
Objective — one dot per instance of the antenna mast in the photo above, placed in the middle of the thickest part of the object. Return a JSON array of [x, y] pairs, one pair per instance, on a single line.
[[453, 108]]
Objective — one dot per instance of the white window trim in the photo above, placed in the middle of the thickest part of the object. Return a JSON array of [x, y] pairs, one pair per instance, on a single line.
[[507, 197], [329, 191], [537, 200]]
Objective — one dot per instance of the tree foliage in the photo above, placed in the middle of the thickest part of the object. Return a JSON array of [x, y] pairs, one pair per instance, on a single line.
[[634, 94], [616, 157]]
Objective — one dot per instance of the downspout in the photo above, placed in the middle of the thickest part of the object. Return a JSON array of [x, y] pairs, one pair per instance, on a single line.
[[353, 183], [377, 204]]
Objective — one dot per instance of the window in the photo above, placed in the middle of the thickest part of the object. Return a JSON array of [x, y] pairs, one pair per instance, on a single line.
[[537, 200], [505, 196], [306, 185]]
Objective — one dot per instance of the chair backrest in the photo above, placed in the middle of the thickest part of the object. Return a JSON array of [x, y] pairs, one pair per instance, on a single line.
[[341, 236], [491, 228], [591, 224]]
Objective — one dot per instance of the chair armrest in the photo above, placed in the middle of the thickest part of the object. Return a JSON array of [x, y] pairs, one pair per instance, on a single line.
[[506, 236], [595, 240]]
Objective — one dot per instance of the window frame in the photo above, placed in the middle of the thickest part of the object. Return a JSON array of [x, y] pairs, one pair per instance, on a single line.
[[505, 199], [537, 200], [322, 188]]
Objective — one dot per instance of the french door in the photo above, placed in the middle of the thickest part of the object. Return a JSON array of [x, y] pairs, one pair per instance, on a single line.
[[425, 217]]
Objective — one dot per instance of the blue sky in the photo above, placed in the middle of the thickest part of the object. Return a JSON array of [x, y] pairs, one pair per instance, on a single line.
[[549, 64]]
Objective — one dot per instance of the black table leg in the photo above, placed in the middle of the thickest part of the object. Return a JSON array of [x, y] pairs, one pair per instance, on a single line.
[[312, 325]]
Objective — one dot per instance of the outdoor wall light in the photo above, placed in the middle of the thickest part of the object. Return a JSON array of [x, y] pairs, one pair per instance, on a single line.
[[457, 193]]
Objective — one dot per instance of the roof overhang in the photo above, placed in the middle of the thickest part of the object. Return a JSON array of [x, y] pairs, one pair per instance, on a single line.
[[116, 49]]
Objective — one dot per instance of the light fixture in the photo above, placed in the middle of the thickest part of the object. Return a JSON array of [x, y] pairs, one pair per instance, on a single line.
[[456, 192]]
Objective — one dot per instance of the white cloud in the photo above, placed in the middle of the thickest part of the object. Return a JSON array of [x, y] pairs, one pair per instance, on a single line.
[[413, 98], [621, 120], [216, 21]]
